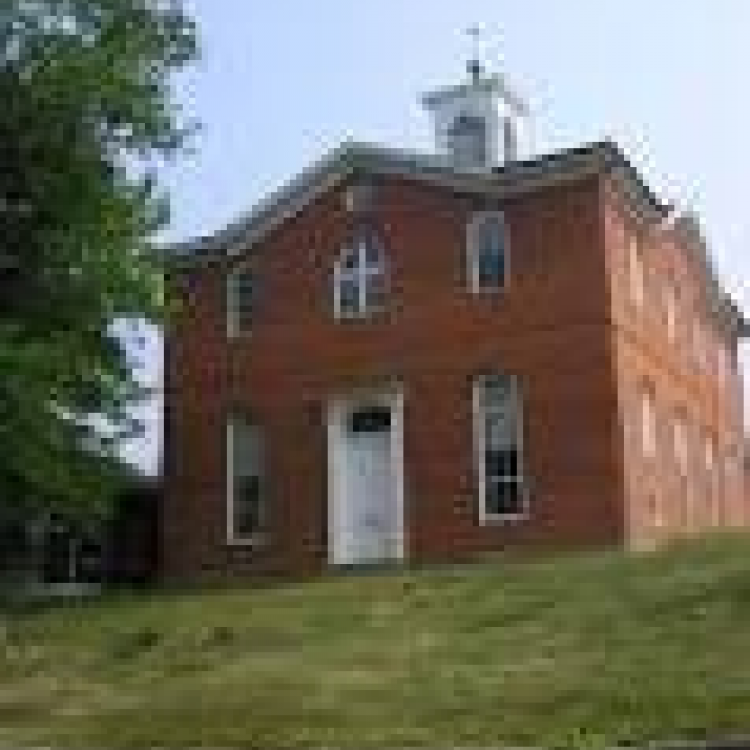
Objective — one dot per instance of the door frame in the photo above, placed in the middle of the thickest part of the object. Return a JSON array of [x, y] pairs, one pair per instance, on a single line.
[[340, 408]]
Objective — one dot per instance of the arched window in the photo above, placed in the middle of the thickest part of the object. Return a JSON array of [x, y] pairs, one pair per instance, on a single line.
[[360, 277], [487, 252]]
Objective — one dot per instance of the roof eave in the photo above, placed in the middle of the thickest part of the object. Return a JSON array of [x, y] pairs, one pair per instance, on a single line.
[[511, 180], [353, 157], [337, 162]]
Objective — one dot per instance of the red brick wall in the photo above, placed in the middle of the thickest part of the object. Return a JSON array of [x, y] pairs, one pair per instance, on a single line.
[[661, 501], [551, 327]]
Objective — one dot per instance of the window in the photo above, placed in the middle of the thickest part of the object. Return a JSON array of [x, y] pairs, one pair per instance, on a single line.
[[246, 512], [732, 488], [680, 445], [681, 451], [240, 301], [487, 252], [721, 364], [370, 419], [648, 424], [712, 481], [498, 425], [360, 278], [699, 343], [635, 269], [670, 305], [467, 141]]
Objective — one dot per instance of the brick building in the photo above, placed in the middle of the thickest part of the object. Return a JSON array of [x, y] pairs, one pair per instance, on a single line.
[[426, 357]]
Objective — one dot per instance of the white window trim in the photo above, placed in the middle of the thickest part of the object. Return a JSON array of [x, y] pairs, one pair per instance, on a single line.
[[636, 272], [732, 475], [480, 438], [648, 423], [722, 369], [472, 251], [362, 273], [231, 537], [699, 342], [671, 309], [680, 445], [231, 292]]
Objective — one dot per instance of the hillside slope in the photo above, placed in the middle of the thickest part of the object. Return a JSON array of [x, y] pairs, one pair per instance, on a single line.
[[575, 651]]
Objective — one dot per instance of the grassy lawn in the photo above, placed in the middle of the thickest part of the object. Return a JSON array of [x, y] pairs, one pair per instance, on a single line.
[[576, 651]]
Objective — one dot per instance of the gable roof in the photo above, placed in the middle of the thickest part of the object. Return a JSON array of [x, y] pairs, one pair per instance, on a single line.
[[352, 158]]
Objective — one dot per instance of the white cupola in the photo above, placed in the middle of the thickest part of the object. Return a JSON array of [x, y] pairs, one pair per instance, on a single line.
[[479, 124]]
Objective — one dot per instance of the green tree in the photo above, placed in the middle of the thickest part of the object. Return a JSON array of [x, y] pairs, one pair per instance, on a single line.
[[88, 115]]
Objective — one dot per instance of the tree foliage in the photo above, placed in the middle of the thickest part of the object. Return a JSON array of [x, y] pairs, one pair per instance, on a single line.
[[88, 115]]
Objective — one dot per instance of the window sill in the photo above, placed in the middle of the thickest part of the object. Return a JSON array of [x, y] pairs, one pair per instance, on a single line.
[[259, 540], [492, 519], [238, 336], [491, 297], [370, 315], [486, 291]]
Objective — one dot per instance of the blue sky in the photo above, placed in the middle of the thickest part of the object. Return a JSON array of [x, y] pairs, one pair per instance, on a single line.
[[280, 83]]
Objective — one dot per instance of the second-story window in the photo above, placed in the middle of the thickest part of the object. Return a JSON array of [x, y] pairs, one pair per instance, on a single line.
[[701, 343], [487, 252], [241, 293], [670, 309], [360, 277], [721, 364], [636, 272]]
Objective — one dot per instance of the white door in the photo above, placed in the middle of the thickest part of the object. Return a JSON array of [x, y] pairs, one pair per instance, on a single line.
[[367, 502], [370, 495]]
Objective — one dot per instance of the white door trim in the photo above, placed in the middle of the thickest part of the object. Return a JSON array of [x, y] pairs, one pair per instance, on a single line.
[[339, 409]]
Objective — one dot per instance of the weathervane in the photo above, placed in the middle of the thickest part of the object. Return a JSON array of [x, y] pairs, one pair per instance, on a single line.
[[474, 65], [481, 37]]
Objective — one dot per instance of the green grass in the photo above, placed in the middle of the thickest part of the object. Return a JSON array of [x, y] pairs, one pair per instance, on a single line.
[[577, 651]]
